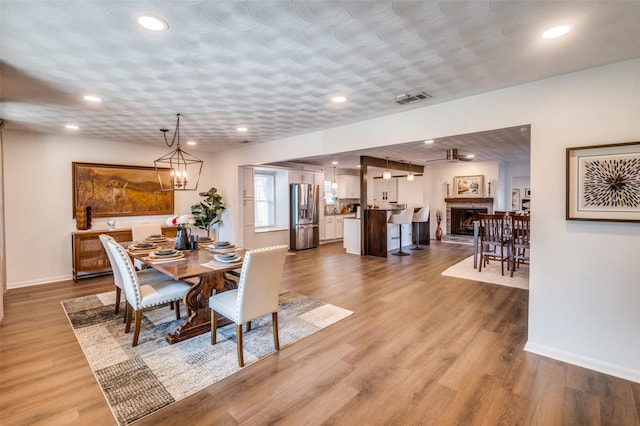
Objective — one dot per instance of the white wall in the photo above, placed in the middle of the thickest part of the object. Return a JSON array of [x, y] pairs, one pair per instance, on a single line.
[[584, 288], [38, 199]]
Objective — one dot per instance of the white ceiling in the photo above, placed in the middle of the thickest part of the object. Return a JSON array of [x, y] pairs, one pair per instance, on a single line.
[[273, 66]]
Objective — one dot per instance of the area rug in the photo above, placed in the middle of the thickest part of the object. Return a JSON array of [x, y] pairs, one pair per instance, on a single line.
[[490, 273], [139, 381]]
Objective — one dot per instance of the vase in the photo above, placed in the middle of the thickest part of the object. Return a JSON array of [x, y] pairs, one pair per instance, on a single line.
[[182, 238], [438, 232]]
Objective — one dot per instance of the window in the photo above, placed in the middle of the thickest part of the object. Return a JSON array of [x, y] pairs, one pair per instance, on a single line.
[[330, 196], [264, 197]]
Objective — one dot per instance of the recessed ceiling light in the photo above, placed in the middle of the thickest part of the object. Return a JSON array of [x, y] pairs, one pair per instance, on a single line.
[[241, 129], [153, 23], [71, 127], [470, 155], [558, 31], [338, 99], [334, 162], [192, 143], [92, 98], [428, 141], [358, 166]]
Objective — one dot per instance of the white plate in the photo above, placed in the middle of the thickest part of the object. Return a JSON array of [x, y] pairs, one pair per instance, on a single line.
[[155, 255], [227, 260]]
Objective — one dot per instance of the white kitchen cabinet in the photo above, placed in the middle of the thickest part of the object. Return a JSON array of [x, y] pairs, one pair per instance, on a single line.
[[248, 214], [385, 190], [339, 230], [247, 182], [300, 176], [329, 228], [348, 186]]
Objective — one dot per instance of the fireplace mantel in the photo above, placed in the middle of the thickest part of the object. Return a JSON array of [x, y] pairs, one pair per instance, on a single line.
[[469, 200]]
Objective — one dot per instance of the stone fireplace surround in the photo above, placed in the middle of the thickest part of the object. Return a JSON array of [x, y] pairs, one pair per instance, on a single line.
[[464, 203]]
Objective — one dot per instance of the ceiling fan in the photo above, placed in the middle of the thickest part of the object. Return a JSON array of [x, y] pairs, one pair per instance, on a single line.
[[453, 157]]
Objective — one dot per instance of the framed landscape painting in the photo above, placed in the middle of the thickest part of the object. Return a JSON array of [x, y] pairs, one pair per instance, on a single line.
[[468, 186], [115, 190], [603, 182]]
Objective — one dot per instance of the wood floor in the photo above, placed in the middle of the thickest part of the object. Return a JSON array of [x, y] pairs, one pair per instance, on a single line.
[[421, 349]]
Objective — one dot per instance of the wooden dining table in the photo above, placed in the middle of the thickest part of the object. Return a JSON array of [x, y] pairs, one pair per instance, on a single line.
[[207, 281]]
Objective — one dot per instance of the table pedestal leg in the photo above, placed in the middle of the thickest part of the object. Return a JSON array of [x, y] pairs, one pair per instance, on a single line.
[[197, 300]]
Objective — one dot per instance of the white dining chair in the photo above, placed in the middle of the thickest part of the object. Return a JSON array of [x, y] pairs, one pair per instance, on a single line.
[[146, 276], [160, 291], [257, 294]]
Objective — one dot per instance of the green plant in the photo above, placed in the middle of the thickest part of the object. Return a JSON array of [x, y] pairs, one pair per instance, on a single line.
[[209, 211]]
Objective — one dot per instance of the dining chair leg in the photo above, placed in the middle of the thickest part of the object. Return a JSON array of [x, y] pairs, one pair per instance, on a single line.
[[248, 326], [214, 323], [118, 293], [274, 321], [126, 308], [177, 303], [136, 330], [239, 344], [127, 318]]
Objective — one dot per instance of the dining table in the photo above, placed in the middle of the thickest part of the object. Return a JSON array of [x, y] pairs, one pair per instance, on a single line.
[[198, 267]]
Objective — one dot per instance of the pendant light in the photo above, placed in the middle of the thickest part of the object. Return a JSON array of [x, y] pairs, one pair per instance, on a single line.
[[410, 176], [387, 174], [334, 184], [184, 169]]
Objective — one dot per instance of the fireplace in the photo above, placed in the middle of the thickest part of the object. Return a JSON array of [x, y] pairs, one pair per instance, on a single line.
[[461, 212], [462, 219]]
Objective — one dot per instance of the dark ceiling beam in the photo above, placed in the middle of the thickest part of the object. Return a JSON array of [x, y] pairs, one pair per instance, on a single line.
[[390, 164]]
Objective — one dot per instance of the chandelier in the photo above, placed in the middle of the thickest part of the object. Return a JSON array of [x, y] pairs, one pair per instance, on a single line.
[[184, 169]]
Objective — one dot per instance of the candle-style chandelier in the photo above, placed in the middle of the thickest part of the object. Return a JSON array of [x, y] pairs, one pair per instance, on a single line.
[[183, 168]]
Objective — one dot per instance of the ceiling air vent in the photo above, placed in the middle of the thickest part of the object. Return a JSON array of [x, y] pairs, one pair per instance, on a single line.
[[407, 99]]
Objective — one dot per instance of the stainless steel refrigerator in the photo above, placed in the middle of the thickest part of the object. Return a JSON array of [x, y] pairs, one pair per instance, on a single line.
[[305, 231]]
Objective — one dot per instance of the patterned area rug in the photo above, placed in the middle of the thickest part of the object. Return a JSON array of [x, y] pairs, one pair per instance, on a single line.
[[490, 274], [139, 381]]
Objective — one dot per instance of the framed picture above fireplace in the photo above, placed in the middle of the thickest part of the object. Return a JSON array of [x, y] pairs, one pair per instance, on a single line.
[[468, 186]]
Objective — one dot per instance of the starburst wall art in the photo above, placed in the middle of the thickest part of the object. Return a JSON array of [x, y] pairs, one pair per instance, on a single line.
[[603, 182]]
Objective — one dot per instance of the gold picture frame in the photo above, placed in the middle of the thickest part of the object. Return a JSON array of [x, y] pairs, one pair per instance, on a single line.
[[119, 190], [603, 182], [468, 186]]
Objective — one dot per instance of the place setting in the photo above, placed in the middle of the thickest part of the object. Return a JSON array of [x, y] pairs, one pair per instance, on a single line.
[[156, 238], [165, 255], [221, 247], [227, 258], [142, 246]]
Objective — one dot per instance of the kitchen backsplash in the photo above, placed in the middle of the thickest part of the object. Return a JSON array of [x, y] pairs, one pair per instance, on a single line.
[[343, 206]]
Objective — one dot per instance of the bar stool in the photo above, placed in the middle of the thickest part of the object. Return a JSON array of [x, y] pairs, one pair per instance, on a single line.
[[402, 218], [419, 217]]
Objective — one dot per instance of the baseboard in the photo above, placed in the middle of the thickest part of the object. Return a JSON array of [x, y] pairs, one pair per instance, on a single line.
[[586, 362], [29, 283]]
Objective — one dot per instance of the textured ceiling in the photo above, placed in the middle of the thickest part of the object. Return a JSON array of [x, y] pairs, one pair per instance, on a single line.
[[273, 66]]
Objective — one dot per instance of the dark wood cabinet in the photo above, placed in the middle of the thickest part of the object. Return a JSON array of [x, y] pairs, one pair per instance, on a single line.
[[89, 257]]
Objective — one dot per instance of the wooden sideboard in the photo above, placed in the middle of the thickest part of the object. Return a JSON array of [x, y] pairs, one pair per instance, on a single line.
[[89, 257]]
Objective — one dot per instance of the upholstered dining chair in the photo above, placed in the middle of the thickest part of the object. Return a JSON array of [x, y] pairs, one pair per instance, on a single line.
[[257, 294], [402, 218], [520, 236], [160, 291], [494, 241], [144, 277], [141, 231], [421, 216]]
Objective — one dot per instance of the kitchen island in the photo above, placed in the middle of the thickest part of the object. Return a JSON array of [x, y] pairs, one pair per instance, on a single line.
[[381, 237]]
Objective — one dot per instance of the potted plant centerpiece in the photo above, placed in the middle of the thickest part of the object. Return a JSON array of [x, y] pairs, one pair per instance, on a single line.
[[208, 212]]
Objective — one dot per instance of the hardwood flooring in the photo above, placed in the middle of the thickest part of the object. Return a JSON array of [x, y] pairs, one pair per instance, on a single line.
[[421, 349]]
